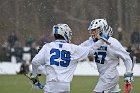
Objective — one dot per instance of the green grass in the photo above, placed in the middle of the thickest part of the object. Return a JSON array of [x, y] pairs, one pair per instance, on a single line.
[[80, 84]]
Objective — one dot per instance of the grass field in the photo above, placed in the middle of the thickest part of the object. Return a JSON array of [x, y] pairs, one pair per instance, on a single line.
[[80, 84]]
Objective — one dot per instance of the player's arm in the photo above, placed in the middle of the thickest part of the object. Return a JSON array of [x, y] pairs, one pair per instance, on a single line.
[[127, 60], [120, 52], [37, 61], [83, 52], [86, 43], [128, 76]]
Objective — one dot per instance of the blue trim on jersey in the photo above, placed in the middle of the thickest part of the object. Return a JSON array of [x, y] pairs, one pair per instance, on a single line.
[[62, 41], [95, 39], [60, 45]]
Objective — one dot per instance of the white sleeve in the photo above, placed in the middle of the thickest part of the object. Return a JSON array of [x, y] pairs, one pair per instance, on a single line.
[[86, 43], [95, 46], [38, 60], [120, 52], [82, 52]]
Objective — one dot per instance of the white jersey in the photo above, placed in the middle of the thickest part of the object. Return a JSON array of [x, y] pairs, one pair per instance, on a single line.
[[60, 59], [107, 56]]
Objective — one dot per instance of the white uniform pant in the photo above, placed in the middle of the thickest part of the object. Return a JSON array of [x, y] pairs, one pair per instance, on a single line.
[[57, 87], [107, 83]]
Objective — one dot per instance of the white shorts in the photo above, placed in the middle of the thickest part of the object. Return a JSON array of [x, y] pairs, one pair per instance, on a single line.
[[57, 87], [107, 83], [113, 89], [116, 89]]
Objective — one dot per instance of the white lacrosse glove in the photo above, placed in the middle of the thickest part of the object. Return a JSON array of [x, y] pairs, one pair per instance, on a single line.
[[128, 77]]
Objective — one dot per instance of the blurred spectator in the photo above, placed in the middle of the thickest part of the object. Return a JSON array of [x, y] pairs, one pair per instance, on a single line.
[[42, 40], [29, 41], [120, 36], [12, 38], [5, 53], [135, 37], [33, 50], [24, 68], [137, 55], [131, 49], [134, 53], [18, 52]]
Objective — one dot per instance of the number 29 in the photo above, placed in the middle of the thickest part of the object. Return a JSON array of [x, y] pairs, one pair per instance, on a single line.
[[64, 55]]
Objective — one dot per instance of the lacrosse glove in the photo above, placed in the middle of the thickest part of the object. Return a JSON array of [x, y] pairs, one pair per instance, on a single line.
[[39, 85], [36, 82], [104, 37], [34, 79], [128, 77]]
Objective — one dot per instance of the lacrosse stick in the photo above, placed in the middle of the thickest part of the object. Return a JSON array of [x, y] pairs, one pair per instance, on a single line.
[[128, 87], [107, 42], [37, 84]]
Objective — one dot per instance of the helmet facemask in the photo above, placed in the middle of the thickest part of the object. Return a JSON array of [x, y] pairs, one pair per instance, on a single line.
[[70, 37], [94, 33]]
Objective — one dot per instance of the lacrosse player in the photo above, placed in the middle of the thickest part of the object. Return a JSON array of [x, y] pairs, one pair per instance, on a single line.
[[107, 58], [61, 58]]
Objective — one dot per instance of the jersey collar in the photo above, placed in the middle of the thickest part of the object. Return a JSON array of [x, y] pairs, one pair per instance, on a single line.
[[62, 41]]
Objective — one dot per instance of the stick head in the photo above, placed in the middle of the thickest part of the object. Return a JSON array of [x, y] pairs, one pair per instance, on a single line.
[[128, 87]]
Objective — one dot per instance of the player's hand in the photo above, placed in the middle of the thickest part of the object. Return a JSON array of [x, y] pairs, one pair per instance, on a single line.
[[128, 77], [36, 83], [105, 34], [34, 79], [104, 37]]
